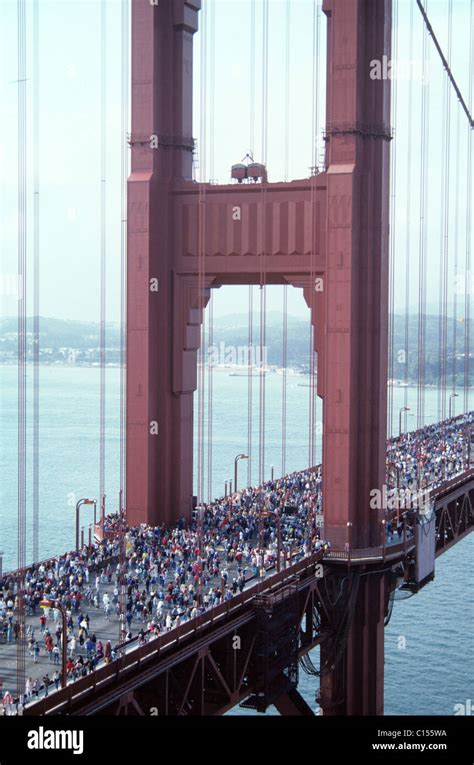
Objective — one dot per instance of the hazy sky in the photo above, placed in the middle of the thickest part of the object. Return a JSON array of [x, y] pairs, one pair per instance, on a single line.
[[70, 138]]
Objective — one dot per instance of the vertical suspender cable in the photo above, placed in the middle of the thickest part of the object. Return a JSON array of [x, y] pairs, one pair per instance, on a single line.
[[123, 239], [284, 362], [312, 276], [263, 233], [422, 248], [467, 263], [36, 283], [123, 307], [444, 232], [201, 255], [22, 333], [249, 388], [210, 343], [250, 307], [408, 224], [210, 335], [287, 88], [103, 242], [317, 138], [253, 41], [456, 258], [393, 239]]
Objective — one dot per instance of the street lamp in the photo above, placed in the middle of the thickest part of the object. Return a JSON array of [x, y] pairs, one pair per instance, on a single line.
[[238, 457], [56, 604], [402, 409], [453, 395], [83, 501], [349, 539]]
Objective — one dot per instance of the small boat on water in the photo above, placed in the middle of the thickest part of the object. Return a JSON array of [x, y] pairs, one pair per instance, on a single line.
[[257, 373]]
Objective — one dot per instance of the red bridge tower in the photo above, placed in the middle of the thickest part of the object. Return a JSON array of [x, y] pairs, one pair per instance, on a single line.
[[333, 226]]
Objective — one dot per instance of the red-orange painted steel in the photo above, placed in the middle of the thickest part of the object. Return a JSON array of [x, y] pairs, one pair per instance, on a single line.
[[350, 316], [355, 405]]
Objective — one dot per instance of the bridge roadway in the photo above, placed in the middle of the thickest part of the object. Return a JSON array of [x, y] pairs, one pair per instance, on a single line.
[[105, 628], [114, 688], [225, 619]]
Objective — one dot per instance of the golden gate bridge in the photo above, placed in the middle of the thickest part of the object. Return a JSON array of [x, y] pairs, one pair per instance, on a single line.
[[332, 234]]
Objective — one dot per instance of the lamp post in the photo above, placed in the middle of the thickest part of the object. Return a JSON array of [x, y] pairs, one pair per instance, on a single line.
[[56, 604], [349, 540], [453, 395], [102, 514], [402, 409], [238, 457], [83, 501]]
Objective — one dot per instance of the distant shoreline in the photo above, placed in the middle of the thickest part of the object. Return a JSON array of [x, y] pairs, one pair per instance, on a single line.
[[225, 370]]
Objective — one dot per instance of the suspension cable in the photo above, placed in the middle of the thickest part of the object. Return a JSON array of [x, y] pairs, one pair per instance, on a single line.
[[263, 264], [393, 238], [103, 242], [36, 284], [467, 262], [444, 244], [250, 386], [284, 363], [210, 382], [422, 248], [201, 254], [445, 62], [408, 227], [125, 23], [312, 273], [22, 346], [210, 309], [123, 313], [250, 292], [456, 258], [285, 287]]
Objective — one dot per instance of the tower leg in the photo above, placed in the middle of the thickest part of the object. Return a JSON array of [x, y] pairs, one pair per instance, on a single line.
[[352, 680], [163, 317]]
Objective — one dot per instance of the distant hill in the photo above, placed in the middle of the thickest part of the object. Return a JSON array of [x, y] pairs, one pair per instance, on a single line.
[[62, 332], [78, 342]]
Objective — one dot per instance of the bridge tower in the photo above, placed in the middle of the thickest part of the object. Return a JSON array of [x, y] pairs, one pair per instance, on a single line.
[[349, 220]]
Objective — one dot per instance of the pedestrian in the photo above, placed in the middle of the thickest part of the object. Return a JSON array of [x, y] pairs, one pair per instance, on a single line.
[[46, 683]]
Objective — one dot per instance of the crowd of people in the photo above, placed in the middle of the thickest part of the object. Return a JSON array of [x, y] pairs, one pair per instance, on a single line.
[[168, 575], [151, 579], [431, 455]]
